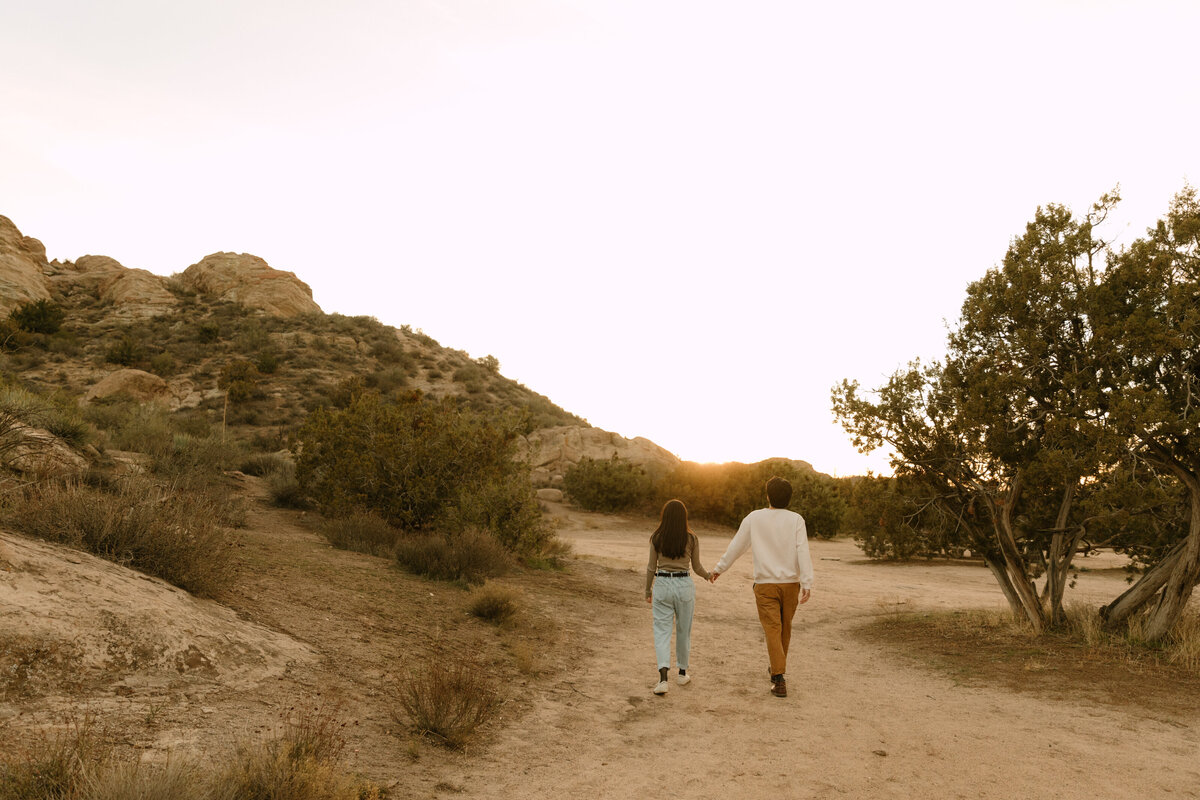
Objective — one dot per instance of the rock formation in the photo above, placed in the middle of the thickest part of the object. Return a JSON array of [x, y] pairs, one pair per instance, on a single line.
[[132, 292], [22, 268], [550, 451], [248, 280], [137, 384]]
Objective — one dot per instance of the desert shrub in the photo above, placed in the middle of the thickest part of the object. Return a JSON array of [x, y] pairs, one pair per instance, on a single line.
[[163, 364], [606, 485], [362, 532], [129, 425], [725, 493], [261, 464], [239, 379], [301, 763], [448, 698], [126, 351], [267, 362], [174, 535], [409, 461], [208, 331], [890, 519], [493, 603], [190, 423], [285, 491], [506, 506], [39, 316], [469, 557], [388, 380], [194, 458]]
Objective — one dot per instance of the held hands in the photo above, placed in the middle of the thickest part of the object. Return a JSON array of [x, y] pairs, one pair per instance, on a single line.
[[712, 577]]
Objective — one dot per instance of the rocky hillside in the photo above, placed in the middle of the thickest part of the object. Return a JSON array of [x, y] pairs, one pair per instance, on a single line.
[[232, 325]]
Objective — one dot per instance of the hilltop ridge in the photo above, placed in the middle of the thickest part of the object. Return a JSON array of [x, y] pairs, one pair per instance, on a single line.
[[175, 340]]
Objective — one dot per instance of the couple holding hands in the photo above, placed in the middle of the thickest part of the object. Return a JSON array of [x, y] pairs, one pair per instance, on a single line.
[[783, 574]]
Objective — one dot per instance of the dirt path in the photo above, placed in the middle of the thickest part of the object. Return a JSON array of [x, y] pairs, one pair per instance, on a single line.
[[861, 721]]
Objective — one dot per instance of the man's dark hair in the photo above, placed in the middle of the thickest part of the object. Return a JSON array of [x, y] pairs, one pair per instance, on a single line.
[[779, 492]]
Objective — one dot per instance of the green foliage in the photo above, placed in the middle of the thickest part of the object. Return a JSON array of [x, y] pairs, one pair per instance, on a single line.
[[126, 351], [40, 316], [726, 493], [606, 485], [417, 463], [239, 379], [1062, 416], [889, 519]]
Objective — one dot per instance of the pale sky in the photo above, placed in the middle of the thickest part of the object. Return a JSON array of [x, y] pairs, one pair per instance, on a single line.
[[682, 220]]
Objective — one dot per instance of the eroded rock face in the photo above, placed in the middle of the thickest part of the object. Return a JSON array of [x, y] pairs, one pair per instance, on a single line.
[[550, 451], [133, 292], [250, 281], [142, 386], [22, 268]]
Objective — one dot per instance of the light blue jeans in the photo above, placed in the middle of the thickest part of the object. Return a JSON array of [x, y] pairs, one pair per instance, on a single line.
[[674, 601]]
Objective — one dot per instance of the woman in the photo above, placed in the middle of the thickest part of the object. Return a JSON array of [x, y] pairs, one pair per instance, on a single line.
[[670, 591]]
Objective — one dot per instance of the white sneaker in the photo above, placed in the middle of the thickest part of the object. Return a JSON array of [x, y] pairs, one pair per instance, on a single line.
[[683, 680], [661, 688]]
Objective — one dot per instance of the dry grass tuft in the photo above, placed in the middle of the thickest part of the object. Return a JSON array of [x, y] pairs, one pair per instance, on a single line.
[[56, 766], [470, 557], [449, 699], [172, 534], [495, 604], [362, 532]]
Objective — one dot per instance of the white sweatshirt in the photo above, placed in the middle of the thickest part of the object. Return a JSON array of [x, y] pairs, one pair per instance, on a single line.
[[779, 542]]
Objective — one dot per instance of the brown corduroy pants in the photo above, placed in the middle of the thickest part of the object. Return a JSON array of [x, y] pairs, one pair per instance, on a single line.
[[777, 604]]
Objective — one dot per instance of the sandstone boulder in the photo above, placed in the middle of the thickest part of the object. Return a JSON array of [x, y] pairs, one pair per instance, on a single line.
[[141, 386], [250, 281], [550, 495], [35, 450], [550, 451], [22, 268]]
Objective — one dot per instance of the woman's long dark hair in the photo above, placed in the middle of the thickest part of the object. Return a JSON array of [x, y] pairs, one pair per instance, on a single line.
[[671, 536]]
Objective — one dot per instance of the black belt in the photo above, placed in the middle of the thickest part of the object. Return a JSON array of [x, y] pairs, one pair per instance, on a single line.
[[664, 574]]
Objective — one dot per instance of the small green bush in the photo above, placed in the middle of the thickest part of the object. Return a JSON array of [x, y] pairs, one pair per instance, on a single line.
[[40, 316], [126, 351], [469, 557], [606, 485], [449, 698]]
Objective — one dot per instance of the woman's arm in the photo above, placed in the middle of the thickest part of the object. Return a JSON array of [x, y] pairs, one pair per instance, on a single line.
[[697, 567], [651, 568]]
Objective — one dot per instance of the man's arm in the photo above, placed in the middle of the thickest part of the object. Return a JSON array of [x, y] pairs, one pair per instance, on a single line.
[[804, 561], [738, 545]]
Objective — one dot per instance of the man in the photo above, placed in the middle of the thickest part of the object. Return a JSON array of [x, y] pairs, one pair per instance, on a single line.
[[783, 572]]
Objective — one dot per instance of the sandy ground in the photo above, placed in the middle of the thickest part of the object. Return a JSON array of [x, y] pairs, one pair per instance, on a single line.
[[304, 621], [859, 722]]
